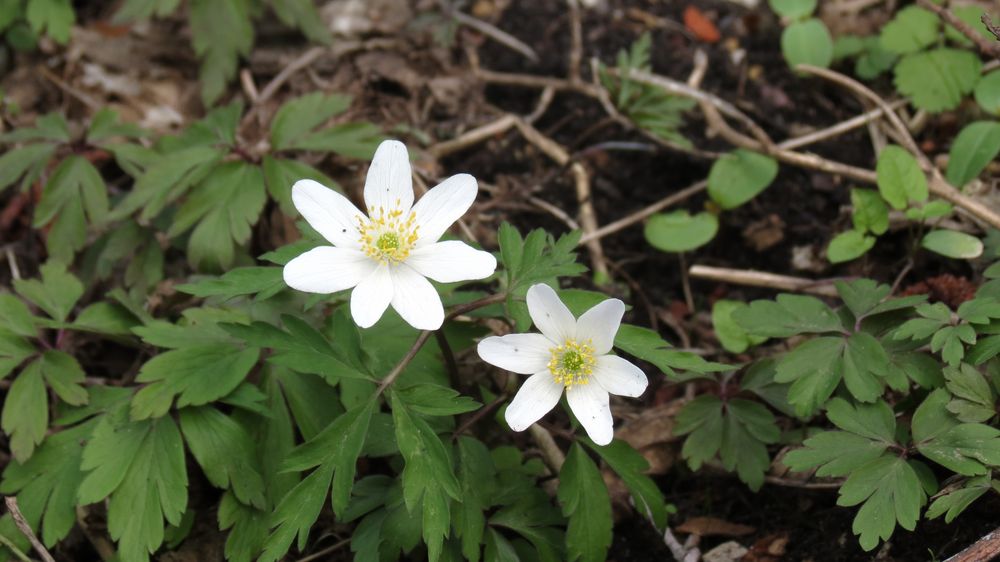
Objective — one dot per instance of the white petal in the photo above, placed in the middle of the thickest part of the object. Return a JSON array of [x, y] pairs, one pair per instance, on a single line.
[[549, 314], [371, 297], [589, 403], [539, 394], [619, 377], [444, 204], [389, 184], [600, 324], [328, 269], [328, 212], [520, 353], [415, 299], [450, 261]]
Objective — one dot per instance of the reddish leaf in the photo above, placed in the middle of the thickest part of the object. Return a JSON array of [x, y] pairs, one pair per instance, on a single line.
[[700, 25]]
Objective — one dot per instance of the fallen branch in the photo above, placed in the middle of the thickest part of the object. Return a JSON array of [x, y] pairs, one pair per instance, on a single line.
[[986, 548], [763, 279], [985, 46]]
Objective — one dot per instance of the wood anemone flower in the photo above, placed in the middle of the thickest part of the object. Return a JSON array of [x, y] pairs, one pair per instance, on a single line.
[[571, 354], [388, 255]]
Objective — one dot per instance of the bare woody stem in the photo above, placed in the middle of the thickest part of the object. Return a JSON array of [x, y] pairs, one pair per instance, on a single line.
[[426, 334], [22, 525]]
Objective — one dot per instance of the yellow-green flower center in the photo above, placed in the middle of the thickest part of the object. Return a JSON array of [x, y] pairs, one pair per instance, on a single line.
[[388, 236], [572, 363]]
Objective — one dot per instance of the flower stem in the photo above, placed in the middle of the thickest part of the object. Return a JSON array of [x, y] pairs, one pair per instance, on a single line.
[[426, 334]]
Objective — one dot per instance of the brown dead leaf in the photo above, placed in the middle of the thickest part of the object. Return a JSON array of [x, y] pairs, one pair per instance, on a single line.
[[390, 66], [653, 425], [714, 527], [765, 233], [726, 552], [767, 549]]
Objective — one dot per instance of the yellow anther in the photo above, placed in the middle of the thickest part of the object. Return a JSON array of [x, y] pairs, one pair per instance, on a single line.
[[572, 363], [385, 237]]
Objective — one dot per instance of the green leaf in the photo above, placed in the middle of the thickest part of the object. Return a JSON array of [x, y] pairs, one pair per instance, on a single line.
[[296, 513], [980, 310], [338, 445], [953, 244], [55, 293], [869, 213], [953, 503], [786, 316], [477, 478], [793, 9], [281, 173], [105, 318], [731, 335], [814, 368], [963, 448], [27, 163], [900, 179], [807, 42], [650, 346], [836, 453], [55, 17], [987, 93], [64, 375], [584, 499], [181, 373], [976, 145], [874, 60], [265, 282], [872, 421], [298, 117], [848, 246], [13, 351], [225, 451], [167, 179], [974, 397], [891, 492], [631, 466], [141, 465], [50, 478], [739, 176], [354, 140], [219, 52], [16, 318], [702, 419], [938, 79], [948, 341], [302, 14], [911, 30], [861, 295], [865, 363], [428, 478], [436, 400], [75, 187], [971, 15], [26, 412], [748, 427], [930, 210], [679, 231], [224, 205]]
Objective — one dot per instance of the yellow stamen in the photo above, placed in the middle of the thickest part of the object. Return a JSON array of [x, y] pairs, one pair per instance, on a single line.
[[388, 236], [572, 363]]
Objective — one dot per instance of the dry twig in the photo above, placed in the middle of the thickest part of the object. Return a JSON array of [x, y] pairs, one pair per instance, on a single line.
[[985, 46], [763, 279], [22, 525], [494, 33], [986, 548]]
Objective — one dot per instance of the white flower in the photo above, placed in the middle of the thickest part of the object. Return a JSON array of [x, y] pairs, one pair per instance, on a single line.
[[570, 353], [387, 255]]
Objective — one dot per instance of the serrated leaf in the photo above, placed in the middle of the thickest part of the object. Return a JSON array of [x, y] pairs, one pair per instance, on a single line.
[[786, 316], [948, 341], [865, 363], [476, 476], [303, 15], [54, 17], [650, 346], [181, 373], [281, 173], [938, 79], [74, 188], [861, 295], [980, 310], [15, 318], [436, 400], [56, 293], [731, 335], [679, 231], [25, 163], [26, 411], [900, 179], [953, 503], [740, 176], [836, 453], [584, 499], [976, 145], [225, 451], [296, 513], [631, 466], [105, 318], [219, 52], [912, 29], [13, 351], [141, 465], [265, 282], [338, 445], [814, 368], [166, 179], [223, 207], [892, 493], [298, 117]]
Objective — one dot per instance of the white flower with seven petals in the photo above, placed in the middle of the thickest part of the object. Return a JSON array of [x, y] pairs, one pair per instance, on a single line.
[[570, 353], [388, 255]]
